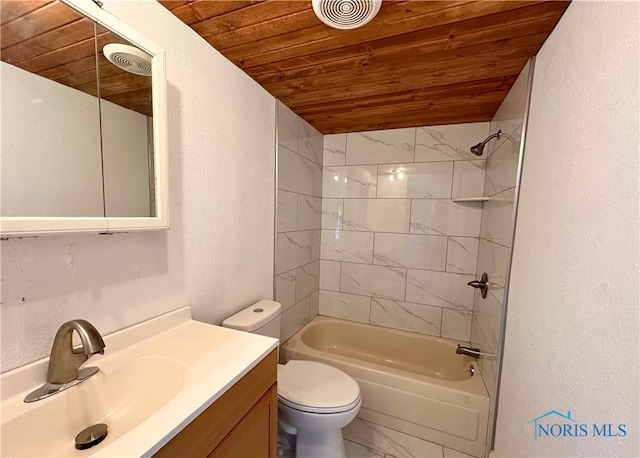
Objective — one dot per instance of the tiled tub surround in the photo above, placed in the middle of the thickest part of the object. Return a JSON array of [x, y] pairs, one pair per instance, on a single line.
[[496, 226], [298, 216], [396, 250]]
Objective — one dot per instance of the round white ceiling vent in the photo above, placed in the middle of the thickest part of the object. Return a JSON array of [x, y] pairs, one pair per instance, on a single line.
[[128, 58], [346, 14]]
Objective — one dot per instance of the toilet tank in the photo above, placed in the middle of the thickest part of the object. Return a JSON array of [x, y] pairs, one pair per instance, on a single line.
[[262, 318]]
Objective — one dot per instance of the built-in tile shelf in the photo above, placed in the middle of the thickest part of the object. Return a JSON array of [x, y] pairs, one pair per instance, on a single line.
[[470, 199]]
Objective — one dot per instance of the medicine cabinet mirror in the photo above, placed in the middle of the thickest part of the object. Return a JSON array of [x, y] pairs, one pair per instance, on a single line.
[[83, 144]]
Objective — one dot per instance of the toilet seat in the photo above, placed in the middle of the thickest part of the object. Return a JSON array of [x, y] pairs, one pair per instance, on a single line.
[[319, 410], [314, 387]]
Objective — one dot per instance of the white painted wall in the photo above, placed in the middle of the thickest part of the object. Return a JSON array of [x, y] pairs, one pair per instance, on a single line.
[[572, 326], [46, 123], [125, 155], [51, 152], [218, 254]]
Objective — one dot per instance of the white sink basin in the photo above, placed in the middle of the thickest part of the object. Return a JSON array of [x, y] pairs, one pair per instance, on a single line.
[[122, 398], [154, 379]]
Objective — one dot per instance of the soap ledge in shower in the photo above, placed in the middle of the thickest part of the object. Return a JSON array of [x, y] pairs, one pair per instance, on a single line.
[[470, 199]]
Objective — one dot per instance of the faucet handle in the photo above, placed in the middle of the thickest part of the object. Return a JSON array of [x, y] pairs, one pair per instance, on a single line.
[[482, 284]]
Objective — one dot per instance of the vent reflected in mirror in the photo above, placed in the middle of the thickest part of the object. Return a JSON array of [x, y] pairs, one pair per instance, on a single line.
[[77, 134]]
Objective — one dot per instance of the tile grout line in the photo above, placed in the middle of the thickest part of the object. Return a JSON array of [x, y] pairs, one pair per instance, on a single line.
[[392, 267], [453, 174], [340, 282], [446, 255], [406, 276], [406, 282], [384, 198], [298, 196]]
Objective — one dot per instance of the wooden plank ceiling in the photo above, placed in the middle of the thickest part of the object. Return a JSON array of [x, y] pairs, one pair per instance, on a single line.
[[50, 39], [417, 63]]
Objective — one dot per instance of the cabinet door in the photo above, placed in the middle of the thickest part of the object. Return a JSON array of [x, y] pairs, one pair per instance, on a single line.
[[238, 405], [256, 434]]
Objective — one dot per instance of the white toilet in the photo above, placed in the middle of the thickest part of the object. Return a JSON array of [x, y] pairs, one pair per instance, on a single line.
[[315, 400]]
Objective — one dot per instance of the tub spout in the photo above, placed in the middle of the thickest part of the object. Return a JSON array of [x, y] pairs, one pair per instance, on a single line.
[[468, 351]]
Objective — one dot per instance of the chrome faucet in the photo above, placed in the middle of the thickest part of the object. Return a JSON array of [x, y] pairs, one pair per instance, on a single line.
[[468, 351], [65, 361]]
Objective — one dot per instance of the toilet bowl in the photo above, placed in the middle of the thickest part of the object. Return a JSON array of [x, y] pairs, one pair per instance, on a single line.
[[315, 400]]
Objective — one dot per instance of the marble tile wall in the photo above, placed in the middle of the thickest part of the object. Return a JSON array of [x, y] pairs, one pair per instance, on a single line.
[[396, 250], [299, 220], [496, 226]]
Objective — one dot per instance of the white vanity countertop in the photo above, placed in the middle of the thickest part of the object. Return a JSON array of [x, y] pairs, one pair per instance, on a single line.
[[209, 360]]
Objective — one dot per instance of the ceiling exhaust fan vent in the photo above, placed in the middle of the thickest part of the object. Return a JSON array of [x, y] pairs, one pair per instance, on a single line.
[[128, 58], [346, 14]]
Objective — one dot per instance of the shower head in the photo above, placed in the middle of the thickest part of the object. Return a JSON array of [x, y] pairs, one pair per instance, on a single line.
[[479, 148]]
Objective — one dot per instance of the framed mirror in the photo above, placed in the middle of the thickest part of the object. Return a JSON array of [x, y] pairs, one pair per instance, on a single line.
[[83, 145]]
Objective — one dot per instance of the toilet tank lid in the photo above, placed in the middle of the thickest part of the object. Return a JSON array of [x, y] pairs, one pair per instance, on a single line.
[[254, 316]]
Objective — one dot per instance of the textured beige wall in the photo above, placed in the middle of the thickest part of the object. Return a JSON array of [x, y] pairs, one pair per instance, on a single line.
[[572, 324]]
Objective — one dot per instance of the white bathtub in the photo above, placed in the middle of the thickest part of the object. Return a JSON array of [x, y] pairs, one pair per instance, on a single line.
[[410, 382]]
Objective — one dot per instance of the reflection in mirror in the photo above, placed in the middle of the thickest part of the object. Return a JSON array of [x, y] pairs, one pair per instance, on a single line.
[[76, 131], [51, 162], [126, 116]]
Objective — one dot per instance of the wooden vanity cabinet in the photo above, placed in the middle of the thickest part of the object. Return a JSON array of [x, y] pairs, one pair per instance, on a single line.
[[242, 423]]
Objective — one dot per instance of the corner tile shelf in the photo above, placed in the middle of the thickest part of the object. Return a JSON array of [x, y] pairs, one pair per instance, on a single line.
[[470, 199]]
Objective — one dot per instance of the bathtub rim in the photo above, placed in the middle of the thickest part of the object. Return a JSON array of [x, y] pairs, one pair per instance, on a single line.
[[473, 386]]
